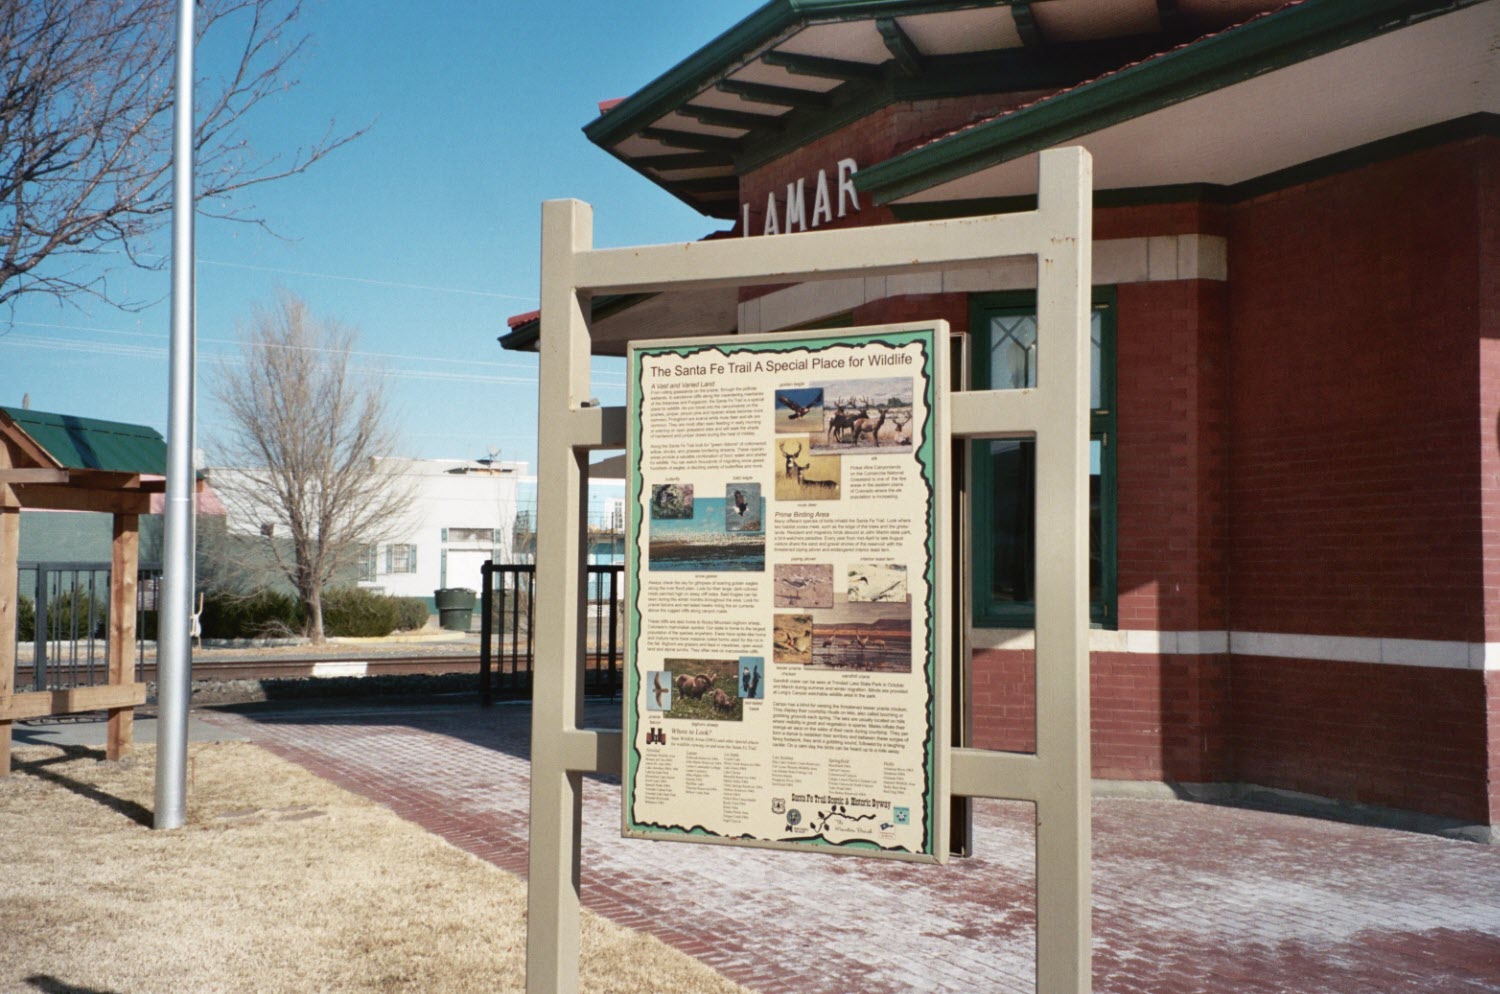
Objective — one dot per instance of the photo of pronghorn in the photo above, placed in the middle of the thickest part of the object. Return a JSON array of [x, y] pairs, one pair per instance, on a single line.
[[875, 582], [658, 690], [791, 638], [799, 409], [802, 584], [752, 678], [671, 500], [863, 636], [805, 476], [870, 416], [744, 507], [705, 688]]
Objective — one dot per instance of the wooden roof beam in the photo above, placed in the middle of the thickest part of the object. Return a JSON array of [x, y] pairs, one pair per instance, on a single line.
[[905, 51], [824, 68], [693, 140], [784, 96], [681, 160], [1026, 26], [719, 117]]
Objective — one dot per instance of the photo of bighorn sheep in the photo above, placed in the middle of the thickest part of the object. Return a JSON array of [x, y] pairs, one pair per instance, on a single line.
[[866, 416], [704, 689], [805, 476]]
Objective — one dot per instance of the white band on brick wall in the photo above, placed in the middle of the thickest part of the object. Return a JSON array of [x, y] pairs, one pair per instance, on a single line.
[[1119, 260], [1482, 656]]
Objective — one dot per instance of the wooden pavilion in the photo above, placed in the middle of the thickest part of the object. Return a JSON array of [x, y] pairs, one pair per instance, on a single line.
[[60, 462]]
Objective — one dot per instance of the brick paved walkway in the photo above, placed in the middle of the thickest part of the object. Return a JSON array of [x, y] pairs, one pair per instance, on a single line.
[[1187, 898]]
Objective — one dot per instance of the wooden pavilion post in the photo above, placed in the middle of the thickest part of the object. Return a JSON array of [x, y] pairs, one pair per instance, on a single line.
[[10, 555], [124, 564]]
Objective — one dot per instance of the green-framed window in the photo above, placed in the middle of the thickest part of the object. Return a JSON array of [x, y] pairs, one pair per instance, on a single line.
[[1003, 497]]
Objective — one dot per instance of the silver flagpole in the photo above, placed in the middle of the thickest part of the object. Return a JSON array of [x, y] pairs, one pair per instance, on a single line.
[[173, 662]]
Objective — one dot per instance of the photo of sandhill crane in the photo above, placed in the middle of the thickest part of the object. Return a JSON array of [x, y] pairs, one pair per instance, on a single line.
[[877, 582], [671, 500], [805, 476], [799, 409], [744, 507], [791, 638], [802, 584], [868, 416], [705, 689], [863, 636]]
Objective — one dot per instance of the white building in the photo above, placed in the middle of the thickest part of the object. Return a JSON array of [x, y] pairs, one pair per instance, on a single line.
[[462, 512]]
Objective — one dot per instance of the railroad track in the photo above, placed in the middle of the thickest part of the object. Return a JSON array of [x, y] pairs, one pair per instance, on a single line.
[[274, 668]]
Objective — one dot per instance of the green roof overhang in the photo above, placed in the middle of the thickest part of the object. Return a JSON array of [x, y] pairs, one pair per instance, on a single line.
[[75, 443], [678, 84], [1258, 46]]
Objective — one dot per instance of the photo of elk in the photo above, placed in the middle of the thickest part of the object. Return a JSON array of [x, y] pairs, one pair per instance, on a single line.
[[671, 500], [805, 476], [866, 416], [744, 507], [802, 584], [863, 636], [799, 409], [704, 689], [791, 638]]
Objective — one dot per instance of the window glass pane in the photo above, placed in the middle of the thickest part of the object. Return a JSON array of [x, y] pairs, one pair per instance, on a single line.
[[1096, 531], [1013, 354], [1096, 347], [1013, 520]]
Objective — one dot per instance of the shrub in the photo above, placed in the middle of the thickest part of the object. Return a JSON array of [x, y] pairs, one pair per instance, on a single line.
[[411, 613], [26, 620], [352, 612], [227, 616], [69, 613]]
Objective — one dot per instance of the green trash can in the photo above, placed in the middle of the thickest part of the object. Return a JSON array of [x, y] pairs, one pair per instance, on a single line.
[[455, 608]]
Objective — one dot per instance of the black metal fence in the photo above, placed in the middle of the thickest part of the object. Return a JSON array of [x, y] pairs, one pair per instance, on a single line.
[[505, 644], [65, 622]]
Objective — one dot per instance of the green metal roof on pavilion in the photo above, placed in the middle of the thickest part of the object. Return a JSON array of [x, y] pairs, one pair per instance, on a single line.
[[77, 443]]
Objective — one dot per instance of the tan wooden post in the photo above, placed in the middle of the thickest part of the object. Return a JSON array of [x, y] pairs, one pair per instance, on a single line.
[[10, 556], [123, 566], [1056, 778], [552, 909]]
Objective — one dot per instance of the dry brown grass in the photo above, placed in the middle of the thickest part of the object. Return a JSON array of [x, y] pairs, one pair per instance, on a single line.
[[280, 881]]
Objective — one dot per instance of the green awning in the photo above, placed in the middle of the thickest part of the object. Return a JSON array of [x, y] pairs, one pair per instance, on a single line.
[[88, 443]]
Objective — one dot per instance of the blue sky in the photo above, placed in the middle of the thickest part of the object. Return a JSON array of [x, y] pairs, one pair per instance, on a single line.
[[423, 234]]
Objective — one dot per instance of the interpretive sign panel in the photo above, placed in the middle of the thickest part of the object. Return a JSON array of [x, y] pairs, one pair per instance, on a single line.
[[784, 560]]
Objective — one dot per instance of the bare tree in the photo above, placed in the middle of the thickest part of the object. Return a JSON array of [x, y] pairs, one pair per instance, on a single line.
[[85, 129], [304, 433]]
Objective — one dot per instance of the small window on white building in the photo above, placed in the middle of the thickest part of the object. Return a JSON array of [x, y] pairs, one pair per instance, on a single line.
[[469, 536], [369, 562], [401, 559]]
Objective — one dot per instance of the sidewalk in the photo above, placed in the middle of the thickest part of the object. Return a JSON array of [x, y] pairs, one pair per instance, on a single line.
[[1187, 897]]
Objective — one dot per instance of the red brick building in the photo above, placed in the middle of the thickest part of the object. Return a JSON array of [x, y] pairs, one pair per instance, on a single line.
[[1296, 528]]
